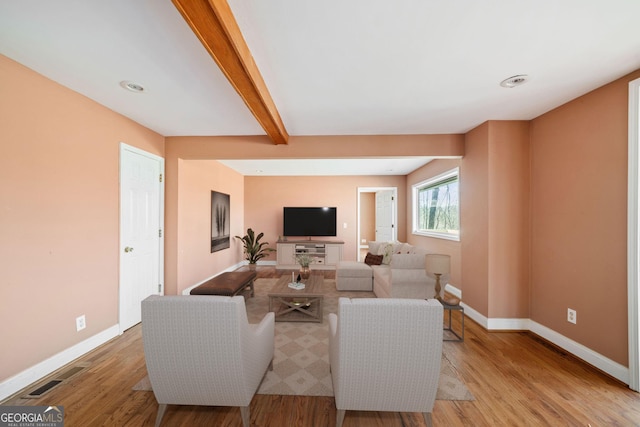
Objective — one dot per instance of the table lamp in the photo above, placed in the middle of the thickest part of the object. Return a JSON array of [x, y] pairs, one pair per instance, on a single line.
[[438, 264]]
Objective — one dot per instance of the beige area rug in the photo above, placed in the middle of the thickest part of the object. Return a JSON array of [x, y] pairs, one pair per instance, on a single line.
[[301, 359]]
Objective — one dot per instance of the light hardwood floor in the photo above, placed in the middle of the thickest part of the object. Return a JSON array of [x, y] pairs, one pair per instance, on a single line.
[[517, 380]]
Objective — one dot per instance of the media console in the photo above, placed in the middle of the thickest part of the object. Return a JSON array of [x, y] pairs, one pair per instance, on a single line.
[[325, 254]]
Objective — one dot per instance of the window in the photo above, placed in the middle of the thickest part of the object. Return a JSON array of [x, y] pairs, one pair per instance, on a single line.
[[436, 207]]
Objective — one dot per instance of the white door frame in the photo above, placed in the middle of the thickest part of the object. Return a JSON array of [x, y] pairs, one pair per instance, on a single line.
[[395, 211], [633, 237], [126, 147]]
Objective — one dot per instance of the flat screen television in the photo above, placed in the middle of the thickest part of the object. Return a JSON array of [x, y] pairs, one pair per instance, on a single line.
[[302, 222]]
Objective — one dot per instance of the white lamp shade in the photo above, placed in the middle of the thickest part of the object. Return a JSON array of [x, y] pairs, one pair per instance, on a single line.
[[438, 263]]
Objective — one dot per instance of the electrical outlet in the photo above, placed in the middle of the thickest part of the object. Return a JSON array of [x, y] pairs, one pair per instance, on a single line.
[[81, 323], [571, 316]]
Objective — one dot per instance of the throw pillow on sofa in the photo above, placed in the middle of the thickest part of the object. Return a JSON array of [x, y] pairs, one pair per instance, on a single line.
[[372, 259], [386, 250]]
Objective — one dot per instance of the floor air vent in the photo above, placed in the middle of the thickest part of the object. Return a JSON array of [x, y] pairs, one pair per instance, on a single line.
[[56, 379], [45, 388]]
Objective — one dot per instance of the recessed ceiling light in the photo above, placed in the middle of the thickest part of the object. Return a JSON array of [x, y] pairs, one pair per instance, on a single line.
[[514, 81], [133, 87]]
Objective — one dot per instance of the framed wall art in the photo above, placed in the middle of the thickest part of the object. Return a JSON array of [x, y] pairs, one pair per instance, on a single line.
[[220, 219]]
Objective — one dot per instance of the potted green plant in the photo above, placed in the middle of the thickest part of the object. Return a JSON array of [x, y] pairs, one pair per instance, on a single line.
[[254, 250]]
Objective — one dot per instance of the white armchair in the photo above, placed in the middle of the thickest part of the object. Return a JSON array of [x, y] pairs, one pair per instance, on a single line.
[[201, 350], [385, 355]]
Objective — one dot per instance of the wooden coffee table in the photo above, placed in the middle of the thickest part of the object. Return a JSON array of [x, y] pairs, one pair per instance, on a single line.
[[304, 305]]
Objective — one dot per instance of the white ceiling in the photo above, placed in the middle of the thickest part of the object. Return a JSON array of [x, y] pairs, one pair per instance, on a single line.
[[333, 67]]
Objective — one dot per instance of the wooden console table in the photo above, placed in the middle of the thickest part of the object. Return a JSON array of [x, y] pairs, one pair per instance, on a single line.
[[325, 254]]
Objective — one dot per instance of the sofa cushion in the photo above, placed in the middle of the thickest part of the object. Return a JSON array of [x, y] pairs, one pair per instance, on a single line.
[[417, 250], [403, 248], [381, 281], [374, 246], [408, 261], [353, 269], [372, 259]]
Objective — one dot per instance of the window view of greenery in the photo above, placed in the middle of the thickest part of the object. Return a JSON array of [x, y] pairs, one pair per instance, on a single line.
[[437, 207]]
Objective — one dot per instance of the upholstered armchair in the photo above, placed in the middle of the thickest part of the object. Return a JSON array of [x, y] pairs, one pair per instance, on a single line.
[[385, 355], [201, 350]]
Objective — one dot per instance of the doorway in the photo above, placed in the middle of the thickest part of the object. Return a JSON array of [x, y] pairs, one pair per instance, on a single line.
[[377, 216], [141, 231]]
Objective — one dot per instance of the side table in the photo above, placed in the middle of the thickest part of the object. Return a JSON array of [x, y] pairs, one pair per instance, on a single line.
[[448, 327]]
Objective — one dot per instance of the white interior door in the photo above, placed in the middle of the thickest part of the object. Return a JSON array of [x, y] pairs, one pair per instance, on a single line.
[[141, 223], [385, 216]]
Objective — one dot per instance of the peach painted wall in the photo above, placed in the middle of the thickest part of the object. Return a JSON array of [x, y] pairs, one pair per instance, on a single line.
[[367, 217], [434, 245], [266, 196], [474, 220], [197, 178], [578, 219], [508, 219], [494, 188], [59, 215]]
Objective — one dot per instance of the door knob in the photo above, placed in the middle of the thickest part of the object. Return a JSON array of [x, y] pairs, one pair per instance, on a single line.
[[128, 249]]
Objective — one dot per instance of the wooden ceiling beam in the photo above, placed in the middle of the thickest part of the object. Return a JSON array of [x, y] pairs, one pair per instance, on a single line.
[[214, 24]]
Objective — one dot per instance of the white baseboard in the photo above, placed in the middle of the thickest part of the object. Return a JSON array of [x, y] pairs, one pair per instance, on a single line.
[[453, 290], [475, 316], [468, 311], [593, 358], [29, 376], [505, 324], [601, 362]]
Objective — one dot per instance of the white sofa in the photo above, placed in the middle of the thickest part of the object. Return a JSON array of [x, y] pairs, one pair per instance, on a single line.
[[401, 273]]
